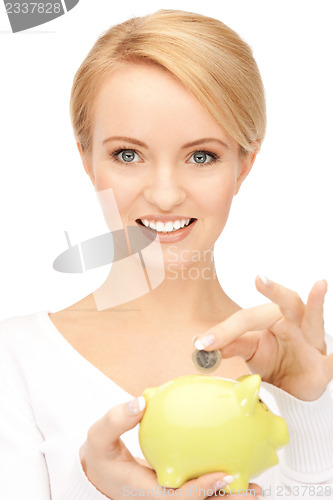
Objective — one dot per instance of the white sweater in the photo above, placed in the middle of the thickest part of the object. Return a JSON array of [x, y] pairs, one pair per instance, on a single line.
[[50, 395]]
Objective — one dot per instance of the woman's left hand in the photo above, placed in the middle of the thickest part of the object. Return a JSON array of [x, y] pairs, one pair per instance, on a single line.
[[283, 341]]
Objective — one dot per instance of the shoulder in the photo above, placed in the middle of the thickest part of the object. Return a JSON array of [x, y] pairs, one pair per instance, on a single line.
[[15, 329], [21, 345]]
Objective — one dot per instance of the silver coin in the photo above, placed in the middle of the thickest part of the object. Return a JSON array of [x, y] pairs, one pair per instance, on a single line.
[[206, 361]]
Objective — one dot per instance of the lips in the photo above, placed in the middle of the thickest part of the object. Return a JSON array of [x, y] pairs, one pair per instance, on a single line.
[[168, 229]]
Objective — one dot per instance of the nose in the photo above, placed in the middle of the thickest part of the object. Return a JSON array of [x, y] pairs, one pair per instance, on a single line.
[[165, 189]]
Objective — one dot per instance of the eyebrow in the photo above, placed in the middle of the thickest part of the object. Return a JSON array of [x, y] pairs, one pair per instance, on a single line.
[[187, 145]]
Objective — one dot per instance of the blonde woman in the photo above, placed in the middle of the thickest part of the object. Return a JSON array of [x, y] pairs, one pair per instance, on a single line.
[[168, 113]]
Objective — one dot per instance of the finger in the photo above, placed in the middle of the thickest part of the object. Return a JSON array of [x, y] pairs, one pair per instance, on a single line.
[[106, 431], [206, 485], [244, 346], [245, 320], [290, 303], [256, 488], [313, 321], [253, 491]]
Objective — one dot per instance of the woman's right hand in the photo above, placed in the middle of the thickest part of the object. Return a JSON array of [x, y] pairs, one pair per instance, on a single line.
[[112, 469]]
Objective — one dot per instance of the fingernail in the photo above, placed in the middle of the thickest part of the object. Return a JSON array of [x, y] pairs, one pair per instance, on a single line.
[[222, 483], [205, 341], [136, 405], [265, 280]]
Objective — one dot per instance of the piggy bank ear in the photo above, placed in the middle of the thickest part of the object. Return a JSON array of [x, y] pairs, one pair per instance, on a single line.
[[148, 393], [247, 392]]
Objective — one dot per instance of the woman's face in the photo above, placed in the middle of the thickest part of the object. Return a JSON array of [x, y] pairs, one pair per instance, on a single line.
[[167, 161]]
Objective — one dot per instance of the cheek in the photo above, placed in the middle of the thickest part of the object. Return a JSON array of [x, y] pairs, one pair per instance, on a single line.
[[218, 196], [117, 192], [103, 178]]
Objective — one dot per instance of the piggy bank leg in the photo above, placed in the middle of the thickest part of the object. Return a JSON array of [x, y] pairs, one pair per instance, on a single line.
[[169, 477], [240, 483]]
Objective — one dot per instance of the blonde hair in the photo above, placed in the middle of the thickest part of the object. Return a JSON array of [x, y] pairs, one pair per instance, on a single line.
[[208, 57]]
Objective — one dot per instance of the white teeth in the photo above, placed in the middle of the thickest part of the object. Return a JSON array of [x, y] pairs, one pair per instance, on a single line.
[[166, 227]]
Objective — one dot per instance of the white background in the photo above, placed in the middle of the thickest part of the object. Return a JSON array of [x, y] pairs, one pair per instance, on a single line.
[[280, 222]]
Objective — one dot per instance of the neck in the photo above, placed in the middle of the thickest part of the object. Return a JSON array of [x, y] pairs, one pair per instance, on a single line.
[[186, 294]]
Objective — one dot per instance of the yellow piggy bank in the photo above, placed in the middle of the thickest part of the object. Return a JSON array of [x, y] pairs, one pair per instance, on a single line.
[[197, 424]]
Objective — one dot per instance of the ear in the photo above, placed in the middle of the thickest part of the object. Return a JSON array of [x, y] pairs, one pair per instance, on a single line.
[[247, 392], [246, 164], [87, 162]]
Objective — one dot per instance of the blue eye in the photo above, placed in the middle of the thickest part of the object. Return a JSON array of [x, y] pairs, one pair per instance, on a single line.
[[125, 155], [204, 157]]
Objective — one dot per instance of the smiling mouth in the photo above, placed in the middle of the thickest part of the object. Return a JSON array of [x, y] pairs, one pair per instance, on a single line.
[[166, 227]]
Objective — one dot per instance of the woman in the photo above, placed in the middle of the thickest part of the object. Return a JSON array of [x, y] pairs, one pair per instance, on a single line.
[[168, 112]]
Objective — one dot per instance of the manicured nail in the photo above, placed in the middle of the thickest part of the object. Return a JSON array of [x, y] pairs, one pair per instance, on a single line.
[[222, 483], [265, 280], [205, 341], [136, 405]]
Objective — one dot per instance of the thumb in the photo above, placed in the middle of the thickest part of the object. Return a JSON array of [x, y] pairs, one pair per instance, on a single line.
[[116, 421], [124, 417]]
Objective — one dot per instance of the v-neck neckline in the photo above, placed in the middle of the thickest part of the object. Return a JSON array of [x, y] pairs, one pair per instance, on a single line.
[[44, 315]]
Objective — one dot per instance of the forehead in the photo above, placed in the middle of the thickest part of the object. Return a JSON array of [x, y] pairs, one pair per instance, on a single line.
[[141, 99]]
